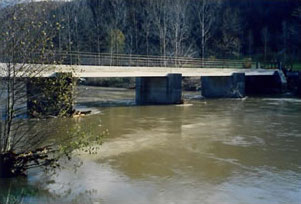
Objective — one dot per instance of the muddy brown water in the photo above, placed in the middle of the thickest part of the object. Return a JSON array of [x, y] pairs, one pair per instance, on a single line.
[[206, 151]]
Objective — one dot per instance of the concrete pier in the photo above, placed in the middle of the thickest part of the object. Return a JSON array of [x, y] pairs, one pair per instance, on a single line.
[[224, 86], [266, 84], [50, 96], [159, 90]]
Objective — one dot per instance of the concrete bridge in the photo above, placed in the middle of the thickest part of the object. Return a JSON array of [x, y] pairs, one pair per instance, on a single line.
[[163, 85]]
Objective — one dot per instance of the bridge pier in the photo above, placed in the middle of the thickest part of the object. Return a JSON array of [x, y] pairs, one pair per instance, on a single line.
[[224, 86], [50, 96], [159, 90], [266, 84]]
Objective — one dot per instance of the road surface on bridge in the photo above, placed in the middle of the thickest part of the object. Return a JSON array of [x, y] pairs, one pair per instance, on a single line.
[[120, 71]]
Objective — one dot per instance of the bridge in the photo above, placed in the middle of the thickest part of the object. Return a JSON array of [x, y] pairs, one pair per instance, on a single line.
[[92, 71], [86, 65], [159, 79]]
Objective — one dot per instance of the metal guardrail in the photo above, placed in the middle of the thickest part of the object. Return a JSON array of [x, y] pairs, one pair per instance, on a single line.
[[108, 59], [127, 60]]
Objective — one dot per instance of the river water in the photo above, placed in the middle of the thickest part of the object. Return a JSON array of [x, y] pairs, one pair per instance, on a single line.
[[219, 151]]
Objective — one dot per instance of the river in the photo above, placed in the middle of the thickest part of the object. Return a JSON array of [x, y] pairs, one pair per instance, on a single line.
[[225, 151]]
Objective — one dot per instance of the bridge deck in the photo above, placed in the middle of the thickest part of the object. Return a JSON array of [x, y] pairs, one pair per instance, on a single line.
[[118, 71], [102, 71]]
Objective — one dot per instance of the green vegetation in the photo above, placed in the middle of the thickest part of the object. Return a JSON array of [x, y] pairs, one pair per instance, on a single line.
[[27, 39], [297, 66]]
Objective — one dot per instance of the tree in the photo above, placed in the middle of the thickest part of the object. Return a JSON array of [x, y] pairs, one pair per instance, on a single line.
[[25, 50], [147, 25], [206, 13], [102, 20], [159, 13], [230, 43], [25, 33], [265, 38], [117, 40], [285, 36], [250, 42], [180, 29]]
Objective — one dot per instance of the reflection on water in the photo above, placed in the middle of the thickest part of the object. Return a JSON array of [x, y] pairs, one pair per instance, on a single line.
[[212, 151]]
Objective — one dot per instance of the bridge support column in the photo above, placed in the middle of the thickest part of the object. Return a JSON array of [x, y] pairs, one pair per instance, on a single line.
[[50, 96], [224, 86], [266, 84], [159, 90]]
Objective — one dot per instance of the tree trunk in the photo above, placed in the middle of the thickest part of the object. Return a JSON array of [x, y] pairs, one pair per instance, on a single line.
[[6, 165]]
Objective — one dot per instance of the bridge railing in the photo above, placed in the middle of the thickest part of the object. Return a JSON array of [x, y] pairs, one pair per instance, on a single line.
[[108, 59]]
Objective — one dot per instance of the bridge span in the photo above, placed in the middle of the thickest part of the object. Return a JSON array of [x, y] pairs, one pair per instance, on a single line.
[[156, 85], [119, 71], [82, 71]]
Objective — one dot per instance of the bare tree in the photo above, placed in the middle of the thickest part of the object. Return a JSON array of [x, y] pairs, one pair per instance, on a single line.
[[160, 20], [102, 20], [147, 24], [206, 13], [250, 41], [230, 43], [24, 41], [265, 38], [26, 45], [134, 11], [180, 28], [285, 36]]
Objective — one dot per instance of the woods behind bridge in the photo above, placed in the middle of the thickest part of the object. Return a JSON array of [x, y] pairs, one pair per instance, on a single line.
[[261, 29]]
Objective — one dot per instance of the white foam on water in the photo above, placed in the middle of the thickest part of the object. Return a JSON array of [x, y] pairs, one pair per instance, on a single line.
[[292, 100], [243, 141]]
